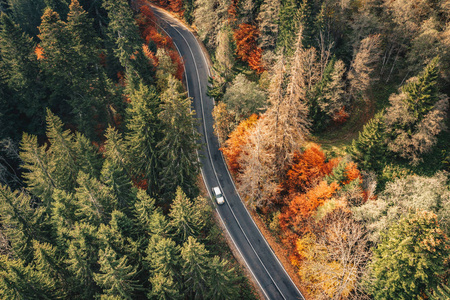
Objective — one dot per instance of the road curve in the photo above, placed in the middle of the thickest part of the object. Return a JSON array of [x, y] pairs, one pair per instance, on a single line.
[[271, 277]]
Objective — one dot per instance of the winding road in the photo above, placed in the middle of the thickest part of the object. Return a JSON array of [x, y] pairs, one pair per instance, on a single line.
[[265, 267]]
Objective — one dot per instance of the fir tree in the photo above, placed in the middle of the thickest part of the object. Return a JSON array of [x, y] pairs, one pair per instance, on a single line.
[[37, 174], [61, 153], [409, 259], [88, 158], [194, 264], [19, 71], [118, 182], [288, 26], [180, 142], [186, 219], [144, 208], [116, 277], [143, 134], [93, 199], [221, 280], [82, 259], [115, 150]]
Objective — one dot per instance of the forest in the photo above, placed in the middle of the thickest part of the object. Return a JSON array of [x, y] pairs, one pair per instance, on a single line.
[[333, 118], [99, 193]]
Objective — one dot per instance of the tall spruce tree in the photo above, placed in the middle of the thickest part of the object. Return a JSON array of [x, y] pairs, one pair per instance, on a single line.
[[144, 134], [186, 219], [178, 147], [288, 26], [116, 277]]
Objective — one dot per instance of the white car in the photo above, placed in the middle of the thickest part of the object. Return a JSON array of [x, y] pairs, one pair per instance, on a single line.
[[218, 195]]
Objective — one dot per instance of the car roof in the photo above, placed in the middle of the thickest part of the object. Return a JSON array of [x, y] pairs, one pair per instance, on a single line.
[[216, 190]]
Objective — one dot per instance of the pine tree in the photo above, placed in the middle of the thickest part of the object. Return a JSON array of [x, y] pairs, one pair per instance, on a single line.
[[82, 257], [177, 148], [61, 153], [116, 150], [88, 158], [163, 257], [306, 21], [409, 259], [49, 265], [93, 199], [194, 264], [186, 219], [144, 208], [221, 280], [164, 287], [18, 281], [116, 277], [62, 217], [118, 183], [143, 134], [27, 13], [20, 222], [20, 69], [38, 176], [369, 150], [288, 26]]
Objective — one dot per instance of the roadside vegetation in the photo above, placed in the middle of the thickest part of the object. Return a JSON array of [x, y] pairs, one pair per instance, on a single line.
[[333, 117]]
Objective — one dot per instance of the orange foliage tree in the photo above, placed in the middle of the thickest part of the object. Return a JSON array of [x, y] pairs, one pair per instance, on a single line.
[[176, 6], [307, 169], [246, 46], [238, 138], [294, 219]]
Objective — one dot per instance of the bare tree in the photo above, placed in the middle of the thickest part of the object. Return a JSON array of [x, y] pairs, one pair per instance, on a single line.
[[363, 64]]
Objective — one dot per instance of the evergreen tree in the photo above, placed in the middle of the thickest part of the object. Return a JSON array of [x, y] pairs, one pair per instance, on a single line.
[[18, 281], [93, 199], [82, 259], [370, 149], [144, 208], [20, 73], [179, 145], [27, 13], [116, 277], [288, 26], [118, 182], [143, 134], [409, 260], [61, 153], [49, 265], [306, 21], [163, 258], [20, 222], [115, 150], [221, 280], [186, 219], [88, 158], [62, 217], [194, 264]]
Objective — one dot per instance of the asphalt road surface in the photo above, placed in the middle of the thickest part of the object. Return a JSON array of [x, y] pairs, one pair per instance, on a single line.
[[273, 280]]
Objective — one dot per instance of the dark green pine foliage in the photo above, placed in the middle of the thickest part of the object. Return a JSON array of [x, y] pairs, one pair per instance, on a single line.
[[123, 32], [185, 218], [178, 147], [221, 280], [88, 158], [62, 217], [410, 258], [60, 6], [81, 260], [93, 199], [36, 164], [163, 258], [116, 276], [306, 21], [119, 184], [20, 222], [423, 94], [144, 207], [288, 27], [61, 153], [188, 14], [143, 134], [369, 150], [20, 74], [27, 13], [194, 264], [116, 150], [19, 281], [48, 263]]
